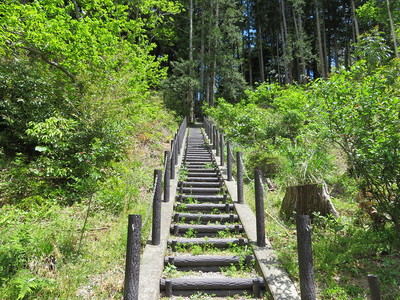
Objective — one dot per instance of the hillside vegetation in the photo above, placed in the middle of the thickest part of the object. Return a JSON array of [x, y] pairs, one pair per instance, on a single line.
[[81, 132], [342, 132], [91, 91]]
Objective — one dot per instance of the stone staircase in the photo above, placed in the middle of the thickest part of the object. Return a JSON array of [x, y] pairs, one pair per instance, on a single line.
[[208, 252]]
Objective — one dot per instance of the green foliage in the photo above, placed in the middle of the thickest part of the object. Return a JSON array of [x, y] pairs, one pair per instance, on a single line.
[[190, 233], [269, 162], [279, 133], [360, 109], [77, 125], [29, 93], [372, 48], [81, 39], [179, 87], [264, 95]]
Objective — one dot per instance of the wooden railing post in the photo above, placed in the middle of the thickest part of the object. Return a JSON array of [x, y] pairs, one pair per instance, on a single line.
[[374, 288], [132, 263], [259, 198], [156, 228], [211, 136], [167, 176], [217, 142], [176, 149], [229, 160], [214, 142], [306, 268], [172, 160], [222, 150], [239, 162]]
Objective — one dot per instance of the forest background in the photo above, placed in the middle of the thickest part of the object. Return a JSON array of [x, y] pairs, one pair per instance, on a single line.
[[91, 92]]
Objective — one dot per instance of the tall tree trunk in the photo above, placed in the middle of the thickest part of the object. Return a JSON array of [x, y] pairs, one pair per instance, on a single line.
[[298, 26], [260, 44], [355, 21], [284, 30], [319, 41], [278, 65], [190, 92], [209, 64], [214, 63], [248, 43], [250, 71], [325, 46], [261, 54], [336, 51], [202, 66], [392, 30]]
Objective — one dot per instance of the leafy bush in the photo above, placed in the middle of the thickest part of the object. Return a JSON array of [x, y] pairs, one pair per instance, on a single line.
[[360, 109], [281, 137], [268, 162]]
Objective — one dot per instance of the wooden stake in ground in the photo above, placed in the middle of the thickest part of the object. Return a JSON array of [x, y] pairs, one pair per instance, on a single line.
[[307, 199]]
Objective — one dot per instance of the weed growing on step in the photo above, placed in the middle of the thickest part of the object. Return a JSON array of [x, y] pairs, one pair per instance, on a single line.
[[194, 249], [182, 173], [209, 166], [240, 249], [201, 296], [180, 207], [226, 233], [191, 200], [170, 270], [215, 211], [239, 270], [190, 233]]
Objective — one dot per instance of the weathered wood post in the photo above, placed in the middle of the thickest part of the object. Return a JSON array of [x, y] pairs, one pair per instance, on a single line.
[[217, 147], [222, 150], [229, 160], [181, 133], [172, 160], [176, 149], [239, 176], [214, 142], [179, 142], [168, 288], [156, 228], [167, 176], [259, 198], [211, 136], [132, 263], [304, 248], [374, 288]]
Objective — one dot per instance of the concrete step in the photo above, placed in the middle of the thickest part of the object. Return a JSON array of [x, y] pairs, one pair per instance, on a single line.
[[199, 190], [199, 184], [207, 263], [201, 174], [202, 198], [205, 230], [206, 218], [206, 207], [214, 242], [219, 287], [204, 179]]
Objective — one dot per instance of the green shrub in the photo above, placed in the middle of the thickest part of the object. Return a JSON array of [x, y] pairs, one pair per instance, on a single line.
[[268, 162]]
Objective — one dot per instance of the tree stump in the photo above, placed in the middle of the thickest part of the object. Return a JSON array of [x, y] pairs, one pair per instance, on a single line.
[[306, 199]]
